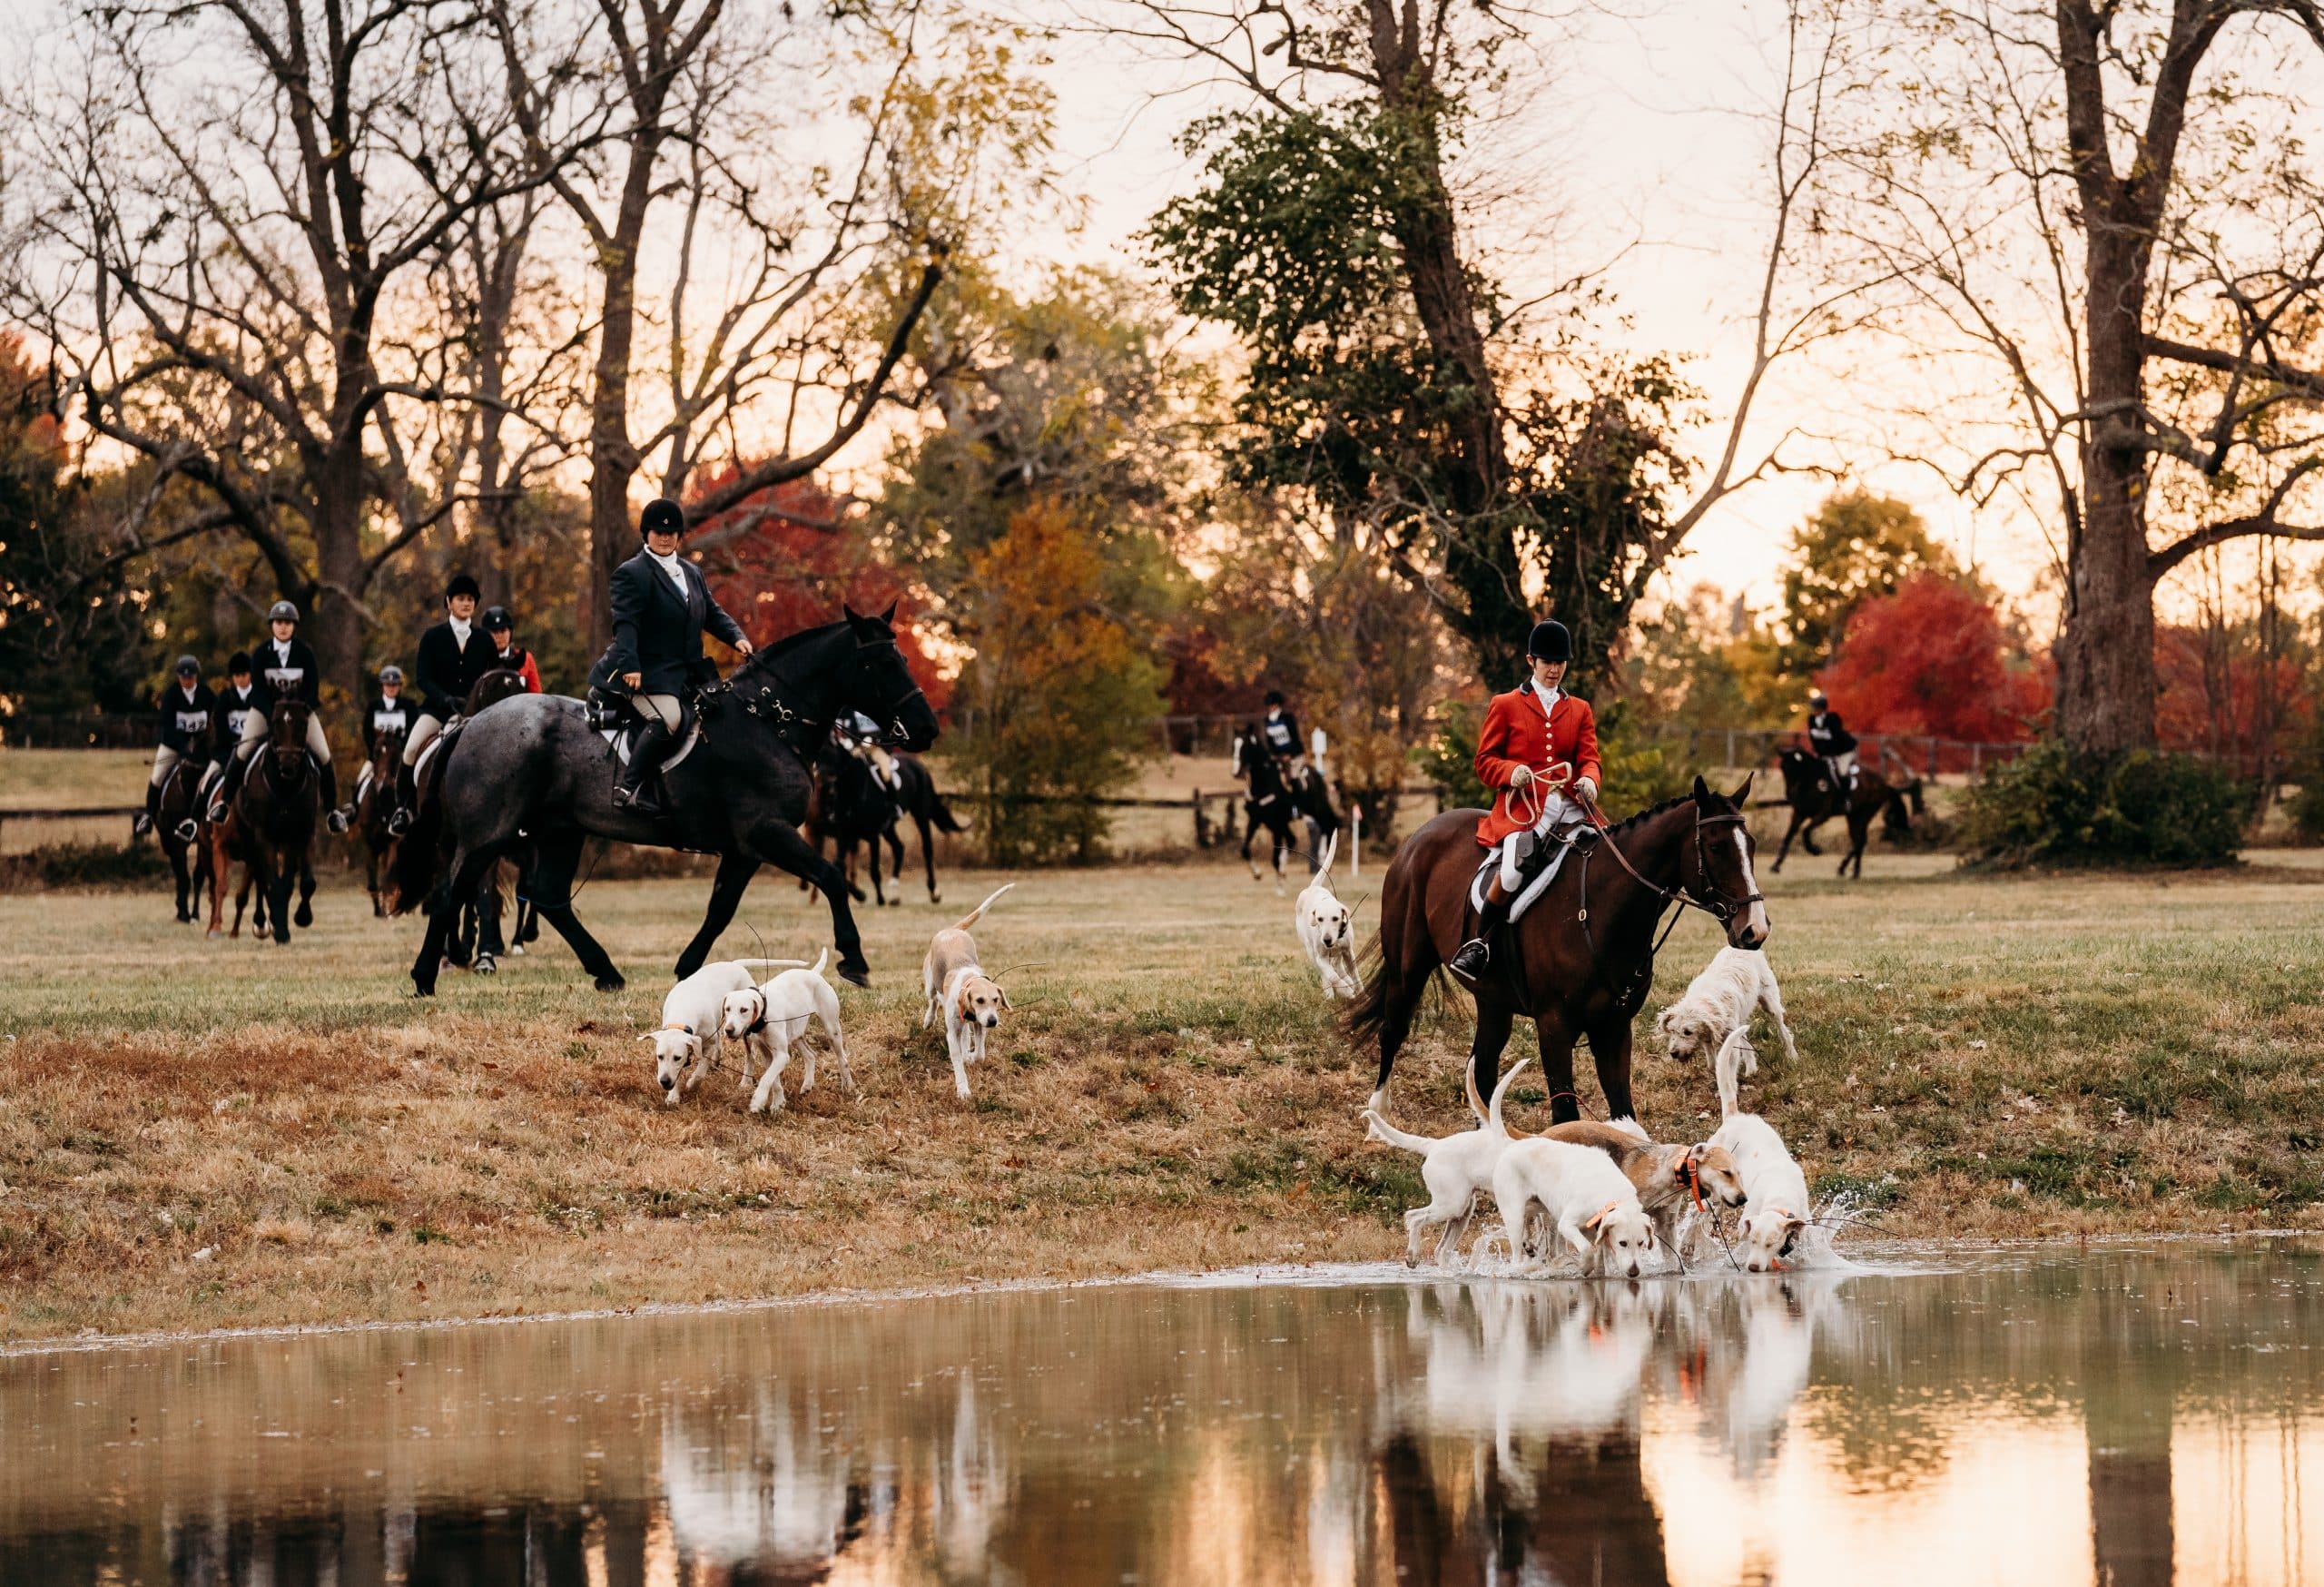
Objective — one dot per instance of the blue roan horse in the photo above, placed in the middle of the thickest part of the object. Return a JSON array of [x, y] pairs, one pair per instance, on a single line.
[[531, 771]]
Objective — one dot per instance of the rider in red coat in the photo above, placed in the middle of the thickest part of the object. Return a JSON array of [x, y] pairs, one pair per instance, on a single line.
[[1538, 746]]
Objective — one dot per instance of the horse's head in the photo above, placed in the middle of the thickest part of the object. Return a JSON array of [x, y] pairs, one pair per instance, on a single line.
[[286, 737], [493, 687], [881, 685], [1719, 873]]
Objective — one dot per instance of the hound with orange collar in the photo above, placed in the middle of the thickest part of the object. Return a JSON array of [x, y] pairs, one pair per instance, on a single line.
[[1669, 1178], [1539, 747], [972, 1001]]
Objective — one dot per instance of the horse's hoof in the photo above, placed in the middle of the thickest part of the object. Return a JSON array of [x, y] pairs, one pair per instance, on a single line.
[[611, 981], [855, 971], [305, 918], [214, 933], [485, 965], [518, 950]]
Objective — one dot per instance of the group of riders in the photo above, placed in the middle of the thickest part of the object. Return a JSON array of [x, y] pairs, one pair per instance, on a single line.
[[220, 731]]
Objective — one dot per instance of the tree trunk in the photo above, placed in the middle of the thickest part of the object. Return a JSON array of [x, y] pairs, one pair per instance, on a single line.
[[2106, 645], [613, 456]]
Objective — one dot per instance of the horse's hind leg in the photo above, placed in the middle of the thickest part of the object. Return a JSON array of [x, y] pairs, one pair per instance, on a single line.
[[1250, 830], [1784, 847], [468, 866], [896, 862], [185, 880], [928, 856], [306, 915], [735, 873]]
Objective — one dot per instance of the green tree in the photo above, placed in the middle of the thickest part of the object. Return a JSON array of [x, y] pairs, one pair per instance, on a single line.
[[1857, 546], [1052, 710]]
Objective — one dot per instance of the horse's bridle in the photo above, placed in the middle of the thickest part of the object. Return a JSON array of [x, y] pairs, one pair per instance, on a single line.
[[766, 703], [1719, 906]]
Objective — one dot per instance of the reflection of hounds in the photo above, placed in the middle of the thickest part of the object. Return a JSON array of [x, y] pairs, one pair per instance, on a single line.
[[1328, 930], [972, 1001]]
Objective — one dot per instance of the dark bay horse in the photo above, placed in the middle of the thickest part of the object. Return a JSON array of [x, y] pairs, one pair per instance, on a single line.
[[180, 828], [531, 772], [1276, 799], [1585, 949], [1815, 796], [852, 808], [270, 827], [928, 812], [375, 799]]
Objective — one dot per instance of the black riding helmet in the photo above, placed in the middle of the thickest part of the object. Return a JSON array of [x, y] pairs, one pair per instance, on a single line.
[[188, 668], [497, 620], [462, 585], [238, 663], [1275, 697], [662, 515], [1550, 642]]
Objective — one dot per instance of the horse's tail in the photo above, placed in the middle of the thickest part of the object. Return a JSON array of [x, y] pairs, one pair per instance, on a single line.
[[1493, 1114], [1735, 1055], [940, 815], [976, 914], [1368, 1015]]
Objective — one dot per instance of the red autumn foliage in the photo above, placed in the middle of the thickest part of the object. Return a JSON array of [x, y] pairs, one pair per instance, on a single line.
[[2213, 697], [793, 567], [1934, 658]]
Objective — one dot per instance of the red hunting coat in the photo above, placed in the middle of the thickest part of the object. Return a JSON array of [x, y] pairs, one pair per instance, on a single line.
[[1518, 733]]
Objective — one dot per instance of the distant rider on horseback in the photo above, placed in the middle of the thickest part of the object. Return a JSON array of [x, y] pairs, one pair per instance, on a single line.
[[388, 712], [662, 607], [1280, 731], [452, 655], [1831, 739], [1539, 745], [184, 732], [508, 656], [235, 703], [287, 670]]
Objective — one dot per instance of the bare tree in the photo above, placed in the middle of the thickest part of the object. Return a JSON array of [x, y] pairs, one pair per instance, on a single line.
[[225, 234], [1398, 70], [2109, 207]]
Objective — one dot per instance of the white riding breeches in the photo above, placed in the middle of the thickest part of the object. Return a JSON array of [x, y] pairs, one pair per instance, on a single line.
[[254, 731], [663, 708], [424, 729], [165, 761], [1557, 812], [1844, 766]]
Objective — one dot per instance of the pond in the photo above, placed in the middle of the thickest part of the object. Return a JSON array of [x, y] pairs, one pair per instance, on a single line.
[[2130, 1414]]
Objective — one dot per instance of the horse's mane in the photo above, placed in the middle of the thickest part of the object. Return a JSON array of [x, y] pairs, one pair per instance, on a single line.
[[1652, 811], [767, 653]]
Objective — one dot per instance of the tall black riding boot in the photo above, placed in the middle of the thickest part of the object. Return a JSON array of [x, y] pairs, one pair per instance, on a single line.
[[228, 786], [333, 816], [1476, 954], [145, 823], [632, 790]]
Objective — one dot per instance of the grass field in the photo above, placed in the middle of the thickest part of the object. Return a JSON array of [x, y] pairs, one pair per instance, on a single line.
[[197, 1134]]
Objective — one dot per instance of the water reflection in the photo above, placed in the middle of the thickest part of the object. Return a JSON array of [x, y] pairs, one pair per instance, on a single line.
[[2131, 1416]]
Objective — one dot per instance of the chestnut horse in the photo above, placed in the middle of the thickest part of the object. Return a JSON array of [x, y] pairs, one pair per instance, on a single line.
[[1584, 949]]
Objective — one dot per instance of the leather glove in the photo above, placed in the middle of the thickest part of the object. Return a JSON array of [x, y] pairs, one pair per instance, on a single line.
[[1587, 789], [1520, 777]]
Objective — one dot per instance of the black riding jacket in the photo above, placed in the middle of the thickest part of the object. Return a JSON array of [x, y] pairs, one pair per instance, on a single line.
[[185, 723], [236, 705], [1828, 735], [447, 669], [281, 676], [1280, 734], [383, 716], [657, 631]]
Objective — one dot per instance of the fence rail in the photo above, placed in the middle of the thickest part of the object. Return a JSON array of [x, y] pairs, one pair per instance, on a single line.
[[50, 732], [1917, 753]]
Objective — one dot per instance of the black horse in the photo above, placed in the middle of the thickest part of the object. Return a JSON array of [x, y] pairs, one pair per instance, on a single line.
[[1276, 799], [852, 807], [1816, 796], [180, 813], [477, 944], [916, 793], [532, 771]]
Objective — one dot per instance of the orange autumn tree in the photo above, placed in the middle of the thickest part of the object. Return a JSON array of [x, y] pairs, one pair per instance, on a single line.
[[1935, 657], [1052, 710]]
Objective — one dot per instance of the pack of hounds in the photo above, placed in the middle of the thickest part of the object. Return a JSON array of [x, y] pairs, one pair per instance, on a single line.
[[1599, 1199]]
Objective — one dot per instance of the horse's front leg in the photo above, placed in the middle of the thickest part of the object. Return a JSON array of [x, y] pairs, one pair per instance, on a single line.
[[1493, 1023], [1784, 847], [1557, 1069], [735, 873], [275, 886], [1807, 834], [1250, 830], [928, 855], [306, 915], [1610, 1044], [777, 843]]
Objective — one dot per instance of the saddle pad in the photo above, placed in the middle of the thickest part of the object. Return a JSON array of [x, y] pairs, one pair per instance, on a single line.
[[1533, 889], [620, 737]]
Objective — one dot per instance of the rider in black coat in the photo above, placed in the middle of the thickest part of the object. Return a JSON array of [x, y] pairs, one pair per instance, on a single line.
[[182, 733], [1279, 729], [1829, 737], [453, 654], [286, 670], [662, 607]]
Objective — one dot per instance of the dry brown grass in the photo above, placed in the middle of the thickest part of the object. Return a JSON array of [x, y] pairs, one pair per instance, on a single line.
[[1977, 1058]]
